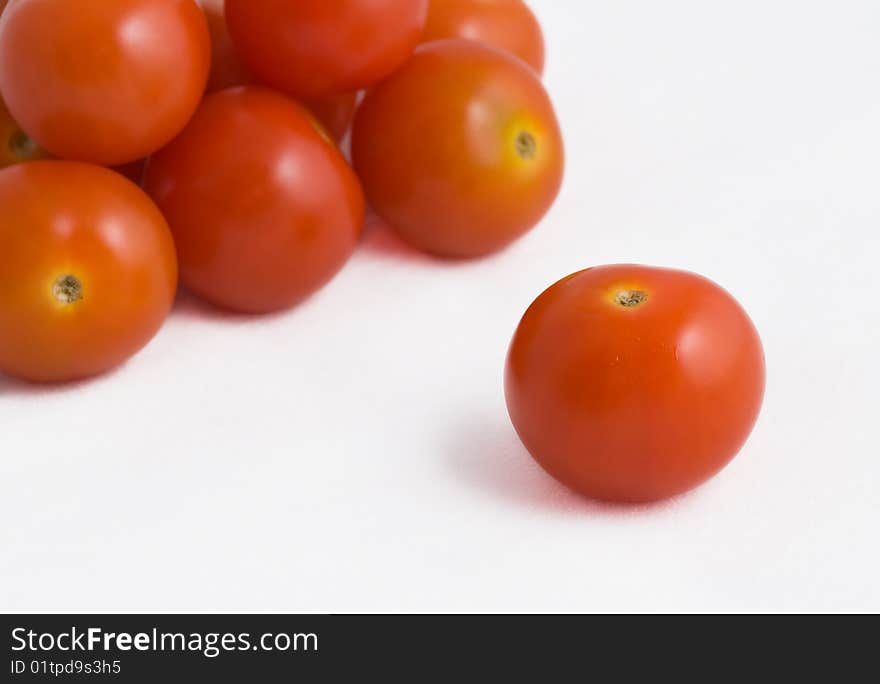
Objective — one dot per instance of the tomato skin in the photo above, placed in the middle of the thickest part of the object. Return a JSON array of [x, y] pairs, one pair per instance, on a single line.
[[69, 219], [117, 80], [314, 48], [16, 146], [264, 210], [334, 112], [634, 403], [504, 24], [448, 181]]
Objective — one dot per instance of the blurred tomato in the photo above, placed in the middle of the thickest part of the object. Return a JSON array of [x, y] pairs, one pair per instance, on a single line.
[[632, 384], [89, 270], [115, 80], [459, 151], [334, 112], [505, 24], [15, 145], [315, 48], [263, 209]]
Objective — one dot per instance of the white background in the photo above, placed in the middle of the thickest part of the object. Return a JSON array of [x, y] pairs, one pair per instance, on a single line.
[[355, 454]]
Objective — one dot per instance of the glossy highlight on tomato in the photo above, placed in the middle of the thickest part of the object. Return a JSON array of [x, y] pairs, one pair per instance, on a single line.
[[460, 150], [89, 270], [315, 48], [116, 80], [264, 209], [634, 384], [504, 24]]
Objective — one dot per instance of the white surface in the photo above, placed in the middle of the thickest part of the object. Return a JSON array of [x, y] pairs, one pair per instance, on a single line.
[[355, 454]]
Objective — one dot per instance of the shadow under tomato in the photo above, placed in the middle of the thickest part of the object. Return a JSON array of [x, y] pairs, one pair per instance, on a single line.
[[188, 305], [380, 240], [488, 456], [10, 386]]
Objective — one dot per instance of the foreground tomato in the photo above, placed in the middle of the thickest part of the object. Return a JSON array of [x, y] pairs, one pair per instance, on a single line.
[[335, 112], [105, 81], [89, 270], [460, 150], [633, 384], [504, 24], [316, 48], [263, 209], [15, 145]]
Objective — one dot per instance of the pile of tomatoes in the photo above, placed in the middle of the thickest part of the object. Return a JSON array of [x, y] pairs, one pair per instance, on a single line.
[[147, 142]]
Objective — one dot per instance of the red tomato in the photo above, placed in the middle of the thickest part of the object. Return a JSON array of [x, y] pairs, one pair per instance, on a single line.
[[99, 81], [634, 384], [15, 145], [505, 24], [459, 151], [316, 48], [335, 112], [89, 270], [263, 209]]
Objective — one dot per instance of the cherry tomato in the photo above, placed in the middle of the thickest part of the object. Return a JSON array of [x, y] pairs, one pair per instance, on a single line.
[[505, 24], [88, 267], [335, 112], [264, 210], [316, 48], [101, 81], [459, 151], [15, 145], [634, 384]]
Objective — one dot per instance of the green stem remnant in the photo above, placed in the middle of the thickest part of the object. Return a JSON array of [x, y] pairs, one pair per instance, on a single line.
[[67, 289], [23, 146], [526, 146]]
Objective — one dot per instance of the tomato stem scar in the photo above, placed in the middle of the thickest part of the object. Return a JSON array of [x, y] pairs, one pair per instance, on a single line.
[[67, 289], [526, 145], [22, 145], [630, 299]]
